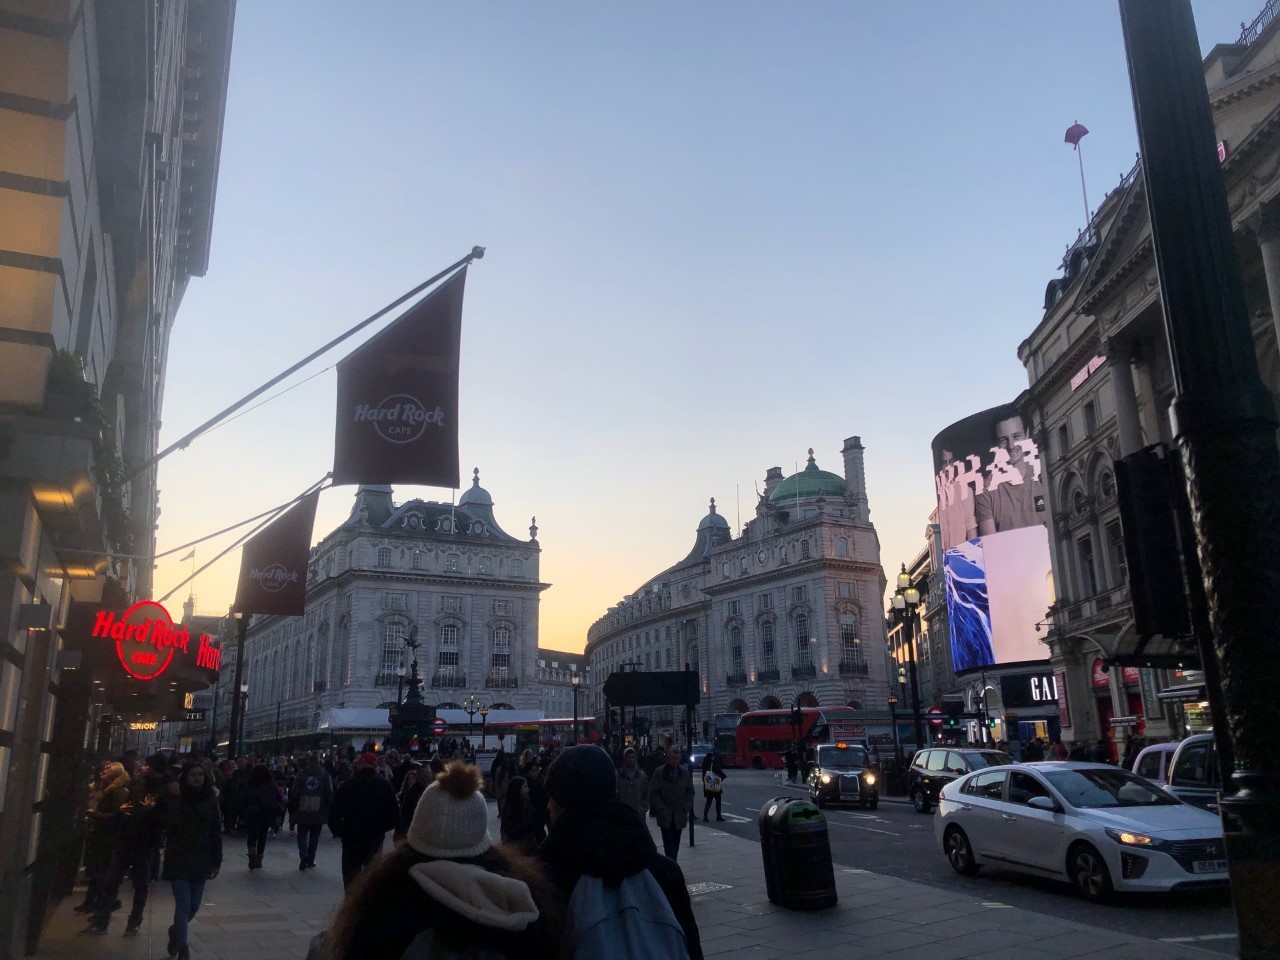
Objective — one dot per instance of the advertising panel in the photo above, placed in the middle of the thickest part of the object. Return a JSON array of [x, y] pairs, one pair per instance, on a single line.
[[992, 519]]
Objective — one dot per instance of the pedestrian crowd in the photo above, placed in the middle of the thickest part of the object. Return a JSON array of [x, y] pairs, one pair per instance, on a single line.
[[574, 873]]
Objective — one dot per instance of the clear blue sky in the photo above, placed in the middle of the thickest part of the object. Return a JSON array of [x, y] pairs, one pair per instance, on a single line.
[[718, 234]]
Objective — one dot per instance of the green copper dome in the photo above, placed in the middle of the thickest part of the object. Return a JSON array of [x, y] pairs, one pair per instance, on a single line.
[[809, 482]]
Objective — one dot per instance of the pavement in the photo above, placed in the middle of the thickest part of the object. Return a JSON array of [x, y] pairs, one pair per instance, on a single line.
[[274, 913]]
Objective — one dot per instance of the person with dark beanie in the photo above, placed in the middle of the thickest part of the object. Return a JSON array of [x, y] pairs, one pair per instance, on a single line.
[[593, 834], [363, 810]]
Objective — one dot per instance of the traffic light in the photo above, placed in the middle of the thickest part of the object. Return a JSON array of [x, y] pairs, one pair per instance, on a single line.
[[954, 710]]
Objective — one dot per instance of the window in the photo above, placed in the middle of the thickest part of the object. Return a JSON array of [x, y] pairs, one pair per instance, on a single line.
[[1115, 547], [804, 653], [733, 608], [447, 663], [451, 604], [384, 556], [1107, 485], [668, 658], [744, 565], [1090, 418], [397, 601], [1064, 440], [842, 546], [501, 608], [1088, 571], [735, 648], [799, 594], [850, 645], [1149, 765], [937, 760], [844, 589], [392, 651], [517, 568], [837, 512], [501, 656], [767, 647], [486, 565], [1023, 786], [988, 786], [1193, 767], [804, 549], [451, 561], [766, 601], [810, 513], [724, 569], [782, 554]]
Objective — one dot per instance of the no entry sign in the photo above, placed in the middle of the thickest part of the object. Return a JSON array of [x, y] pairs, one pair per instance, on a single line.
[[936, 715]]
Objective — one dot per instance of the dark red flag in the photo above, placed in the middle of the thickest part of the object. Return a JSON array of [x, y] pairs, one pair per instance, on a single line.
[[273, 565], [398, 398], [1075, 133]]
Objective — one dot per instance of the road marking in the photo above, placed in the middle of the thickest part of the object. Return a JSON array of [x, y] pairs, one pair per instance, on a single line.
[[854, 826], [997, 906], [1207, 936]]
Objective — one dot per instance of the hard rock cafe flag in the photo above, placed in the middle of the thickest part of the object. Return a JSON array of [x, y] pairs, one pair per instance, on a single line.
[[273, 565], [398, 398]]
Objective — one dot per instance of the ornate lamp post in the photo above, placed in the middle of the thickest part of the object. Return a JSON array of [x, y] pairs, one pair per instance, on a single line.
[[484, 718], [576, 682], [472, 706], [905, 601]]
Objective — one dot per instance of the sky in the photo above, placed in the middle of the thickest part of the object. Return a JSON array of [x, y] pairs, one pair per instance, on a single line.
[[718, 234]]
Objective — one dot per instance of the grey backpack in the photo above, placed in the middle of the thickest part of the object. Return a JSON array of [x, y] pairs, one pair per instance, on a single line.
[[630, 919]]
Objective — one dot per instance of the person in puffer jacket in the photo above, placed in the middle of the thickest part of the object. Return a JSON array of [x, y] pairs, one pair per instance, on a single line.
[[447, 889]]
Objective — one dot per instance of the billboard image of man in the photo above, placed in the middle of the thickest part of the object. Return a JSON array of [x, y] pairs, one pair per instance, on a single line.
[[1013, 498]]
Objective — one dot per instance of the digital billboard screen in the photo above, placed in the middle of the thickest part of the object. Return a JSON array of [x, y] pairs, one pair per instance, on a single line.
[[995, 542]]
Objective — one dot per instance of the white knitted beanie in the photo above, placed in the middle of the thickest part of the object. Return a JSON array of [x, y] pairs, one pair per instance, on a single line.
[[452, 817]]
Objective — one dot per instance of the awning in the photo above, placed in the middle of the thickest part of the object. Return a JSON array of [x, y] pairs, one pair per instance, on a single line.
[[355, 718], [1183, 693]]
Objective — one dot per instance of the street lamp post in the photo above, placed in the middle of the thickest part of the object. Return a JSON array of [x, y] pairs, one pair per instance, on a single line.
[[279, 703], [472, 706], [893, 719], [237, 709], [243, 700], [905, 601], [484, 719], [576, 682]]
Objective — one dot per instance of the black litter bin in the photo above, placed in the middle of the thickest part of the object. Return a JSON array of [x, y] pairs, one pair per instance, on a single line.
[[798, 873]]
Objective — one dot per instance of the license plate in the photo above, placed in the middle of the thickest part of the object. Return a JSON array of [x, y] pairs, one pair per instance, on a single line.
[[849, 795], [1209, 866]]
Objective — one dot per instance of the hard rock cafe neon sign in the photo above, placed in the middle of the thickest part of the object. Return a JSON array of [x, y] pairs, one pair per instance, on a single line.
[[147, 638]]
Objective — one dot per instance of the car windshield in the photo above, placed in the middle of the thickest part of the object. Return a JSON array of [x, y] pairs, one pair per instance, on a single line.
[[1107, 788], [842, 758], [989, 758]]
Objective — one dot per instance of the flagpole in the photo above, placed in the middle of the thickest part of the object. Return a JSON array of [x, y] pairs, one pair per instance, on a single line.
[[476, 254], [217, 533], [318, 485], [1083, 191]]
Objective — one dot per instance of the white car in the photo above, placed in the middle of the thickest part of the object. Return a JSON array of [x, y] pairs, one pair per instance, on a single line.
[[1096, 826]]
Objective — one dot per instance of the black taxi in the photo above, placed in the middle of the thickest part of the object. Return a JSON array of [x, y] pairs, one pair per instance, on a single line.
[[843, 774]]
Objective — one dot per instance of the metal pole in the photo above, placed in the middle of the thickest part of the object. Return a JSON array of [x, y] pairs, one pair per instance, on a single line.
[[575, 713], [237, 708], [213, 724], [1225, 424], [916, 722], [278, 705]]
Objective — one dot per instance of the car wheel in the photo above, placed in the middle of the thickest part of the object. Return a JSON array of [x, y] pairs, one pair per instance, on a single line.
[[959, 853], [1089, 873], [871, 804], [919, 801]]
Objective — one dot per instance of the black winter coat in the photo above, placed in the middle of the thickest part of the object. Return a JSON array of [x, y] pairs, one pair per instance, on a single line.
[[193, 849], [261, 803], [612, 842], [104, 826], [364, 809]]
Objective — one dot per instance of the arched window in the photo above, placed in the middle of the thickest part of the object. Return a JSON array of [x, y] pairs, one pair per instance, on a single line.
[[735, 648], [393, 635], [804, 652], [322, 660], [500, 657]]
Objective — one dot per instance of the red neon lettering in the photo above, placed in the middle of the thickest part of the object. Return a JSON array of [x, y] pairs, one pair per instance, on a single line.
[[146, 659]]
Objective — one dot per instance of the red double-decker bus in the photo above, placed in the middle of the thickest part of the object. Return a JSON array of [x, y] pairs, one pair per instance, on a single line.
[[762, 736]]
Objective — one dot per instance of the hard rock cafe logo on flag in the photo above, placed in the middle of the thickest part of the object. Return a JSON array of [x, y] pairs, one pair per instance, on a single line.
[[397, 415], [273, 565], [147, 638]]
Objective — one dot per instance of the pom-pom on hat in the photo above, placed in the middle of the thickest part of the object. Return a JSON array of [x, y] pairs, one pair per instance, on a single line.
[[452, 818]]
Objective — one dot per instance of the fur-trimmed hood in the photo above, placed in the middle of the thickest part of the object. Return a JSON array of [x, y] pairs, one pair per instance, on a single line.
[[471, 891]]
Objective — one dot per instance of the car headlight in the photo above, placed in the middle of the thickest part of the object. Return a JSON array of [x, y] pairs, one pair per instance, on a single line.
[[826, 778], [870, 778], [1129, 839]]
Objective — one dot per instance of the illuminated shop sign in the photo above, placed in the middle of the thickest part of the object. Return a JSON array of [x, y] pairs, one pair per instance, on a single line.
[[144, 725], [147, 640]]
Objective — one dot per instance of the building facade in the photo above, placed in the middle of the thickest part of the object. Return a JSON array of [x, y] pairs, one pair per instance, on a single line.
[[110, 134], [556, 670], [447, 578], [1100, 388], [787, 613]]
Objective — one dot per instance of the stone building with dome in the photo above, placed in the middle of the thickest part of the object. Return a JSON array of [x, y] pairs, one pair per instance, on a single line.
[[787, 613], [448, 576]]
